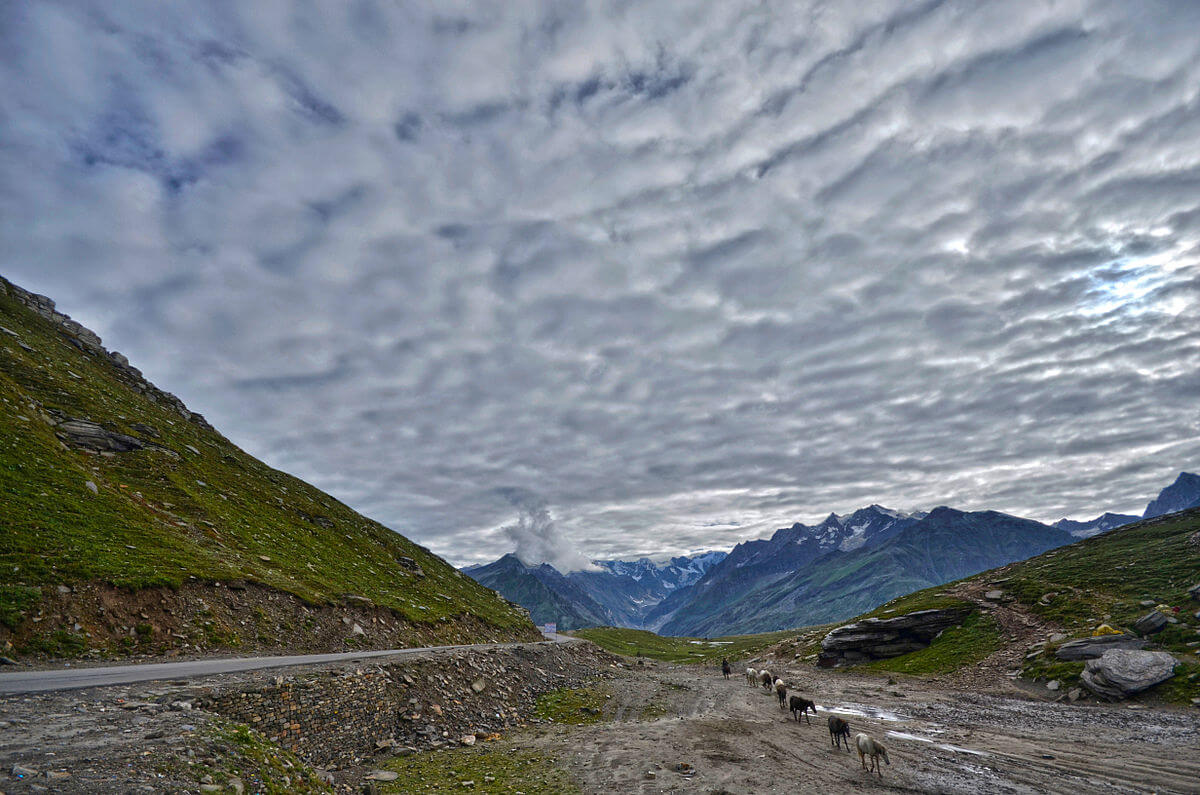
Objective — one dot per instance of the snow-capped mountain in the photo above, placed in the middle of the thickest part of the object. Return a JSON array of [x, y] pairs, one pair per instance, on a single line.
[[619, 593], [1094, 527]]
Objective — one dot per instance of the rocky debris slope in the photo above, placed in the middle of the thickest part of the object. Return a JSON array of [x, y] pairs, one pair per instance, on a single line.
[[875, 638], [1120, 673]]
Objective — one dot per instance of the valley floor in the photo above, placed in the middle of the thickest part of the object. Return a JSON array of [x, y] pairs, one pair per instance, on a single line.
[[939, 740]]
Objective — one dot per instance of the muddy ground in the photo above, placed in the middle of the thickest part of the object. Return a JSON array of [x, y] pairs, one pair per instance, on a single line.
[[939, 740]]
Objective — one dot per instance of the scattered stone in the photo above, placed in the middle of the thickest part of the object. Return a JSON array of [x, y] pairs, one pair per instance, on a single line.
[[92, 487], [88, 435], [1094, 648], [479, 685], [1194, 591], [1151, 623], [9, 332], [357, 630], [236, 785], [994, 596], [1057, 637], [1120, 673], [467, 739], [325, 777], [651, 775], [206, 779], [1074, 694], [8, 661], [1147, 603], [193, 449], [20, 771], [468, 784], [383, 775], [1053, 684], [264, 558]]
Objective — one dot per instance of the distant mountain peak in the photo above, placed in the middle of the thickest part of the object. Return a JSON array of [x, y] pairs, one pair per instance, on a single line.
[[1184, 493]]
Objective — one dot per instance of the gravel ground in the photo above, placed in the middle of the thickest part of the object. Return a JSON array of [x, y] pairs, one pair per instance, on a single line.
[[940, 740]]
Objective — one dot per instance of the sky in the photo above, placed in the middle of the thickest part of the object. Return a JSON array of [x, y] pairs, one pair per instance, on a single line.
[[597, 280]]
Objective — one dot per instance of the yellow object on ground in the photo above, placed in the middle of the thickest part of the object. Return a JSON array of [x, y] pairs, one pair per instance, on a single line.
[[1104, 629]]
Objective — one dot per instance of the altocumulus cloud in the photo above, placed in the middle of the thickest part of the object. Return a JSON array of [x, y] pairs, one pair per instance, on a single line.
[[674, 273]]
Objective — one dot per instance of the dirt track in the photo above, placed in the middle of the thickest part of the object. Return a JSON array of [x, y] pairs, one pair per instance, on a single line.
[[939, 740]]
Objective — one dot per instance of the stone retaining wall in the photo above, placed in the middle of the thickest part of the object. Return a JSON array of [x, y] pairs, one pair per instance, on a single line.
[[346, 714]]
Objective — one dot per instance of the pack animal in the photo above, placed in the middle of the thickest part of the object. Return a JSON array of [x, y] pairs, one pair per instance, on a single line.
[[765, 679], [799, 705], [839, 732], [781, 692], [725, 669], [752, 677], [869, 746]]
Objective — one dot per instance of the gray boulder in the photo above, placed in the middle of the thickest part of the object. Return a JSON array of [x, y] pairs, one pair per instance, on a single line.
[[1121, 673], [1094, 648], [1194, 591], [876, 638], [1152, 622]]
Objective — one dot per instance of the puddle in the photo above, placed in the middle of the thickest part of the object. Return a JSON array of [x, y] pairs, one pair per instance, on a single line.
[[864, 711], [943, 746]]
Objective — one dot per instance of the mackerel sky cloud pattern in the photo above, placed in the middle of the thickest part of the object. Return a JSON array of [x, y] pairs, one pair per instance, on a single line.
[[674, 274]]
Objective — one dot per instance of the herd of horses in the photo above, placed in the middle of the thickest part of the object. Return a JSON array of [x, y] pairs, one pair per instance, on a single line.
[[839, 729]]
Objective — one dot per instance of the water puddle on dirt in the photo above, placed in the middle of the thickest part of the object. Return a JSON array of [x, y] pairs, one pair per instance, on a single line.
[[943, 746], [864, 711]]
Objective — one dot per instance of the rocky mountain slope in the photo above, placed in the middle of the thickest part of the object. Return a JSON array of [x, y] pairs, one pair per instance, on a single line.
[[131, 526], [543, 591], [1181, 495]]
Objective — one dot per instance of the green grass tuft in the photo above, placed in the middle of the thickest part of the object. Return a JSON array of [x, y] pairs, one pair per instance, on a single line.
[[511, 770], [973, 640], [703, 651]]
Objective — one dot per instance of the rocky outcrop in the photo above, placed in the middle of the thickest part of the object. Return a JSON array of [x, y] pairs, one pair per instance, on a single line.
[[876, 638], [1151, 623], [1121, 673], [89, 342], [1094, 648]]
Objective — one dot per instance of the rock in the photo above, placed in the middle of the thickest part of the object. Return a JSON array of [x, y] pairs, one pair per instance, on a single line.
[[651, 775], [357, 630], [88, 435], [20, 771], [1057, 637], [63, 589], [1074, 694], [994, 596], [1147, 603], [92, 487], [467, 739], [1149, 624], [383, 775], [8, 661], [1093, 648], [875, 638], [1120, 673], [479, 685], [1053, 684], [325, 777], [1194, 591]]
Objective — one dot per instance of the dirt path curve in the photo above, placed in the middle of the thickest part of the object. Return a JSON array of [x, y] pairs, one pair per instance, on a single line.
[[740, 743]]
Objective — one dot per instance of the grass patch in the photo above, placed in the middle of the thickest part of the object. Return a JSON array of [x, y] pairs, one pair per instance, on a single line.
[[572, 706], [704, 651], [509, 769], [15, 601], [191, 507], [974, 639], [262, 766]]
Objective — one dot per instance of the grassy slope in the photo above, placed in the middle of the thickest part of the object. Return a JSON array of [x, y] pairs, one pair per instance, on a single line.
[[1100, 579], [159, 519], [639, 642]]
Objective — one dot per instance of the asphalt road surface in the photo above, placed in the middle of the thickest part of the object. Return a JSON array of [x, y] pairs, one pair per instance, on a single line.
[[75, 678]]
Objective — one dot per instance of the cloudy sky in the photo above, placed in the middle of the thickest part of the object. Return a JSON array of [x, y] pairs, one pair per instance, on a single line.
[[656, 277]]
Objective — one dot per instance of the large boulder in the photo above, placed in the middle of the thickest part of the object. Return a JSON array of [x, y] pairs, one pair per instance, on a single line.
[[876, 638], [1120, 673], [1152, 622], [1094, 648]]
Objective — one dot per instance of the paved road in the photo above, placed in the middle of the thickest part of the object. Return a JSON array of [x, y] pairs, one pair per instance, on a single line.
[[75, 678]]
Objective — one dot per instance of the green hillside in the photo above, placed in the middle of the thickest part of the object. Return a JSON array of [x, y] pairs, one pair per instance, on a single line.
[[1113, 578], [174, 502]]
